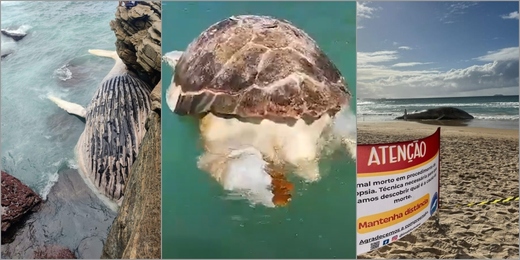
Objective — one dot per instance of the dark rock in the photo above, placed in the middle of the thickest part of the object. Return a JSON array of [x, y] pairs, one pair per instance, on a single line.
[[53, 252], [14, 35], [138, 44], [86, 245], [72, 217], [441, 113], [136, 232], [5, 54], [17, 201]]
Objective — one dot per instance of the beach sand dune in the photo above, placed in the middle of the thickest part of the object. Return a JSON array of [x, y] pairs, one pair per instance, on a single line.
[[477, 164]]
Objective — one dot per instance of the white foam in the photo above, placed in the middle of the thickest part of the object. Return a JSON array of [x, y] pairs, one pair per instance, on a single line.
[[344, 127], [71, 163], [21, 30], [61, 94], [8, 45], [53, 178], [243, 174], [63, 73], [496, 117]]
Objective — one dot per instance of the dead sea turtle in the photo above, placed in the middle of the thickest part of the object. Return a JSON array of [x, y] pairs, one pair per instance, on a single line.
[[265, 92]]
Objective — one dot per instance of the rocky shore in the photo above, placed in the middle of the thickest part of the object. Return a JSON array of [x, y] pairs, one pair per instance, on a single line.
[[18, 200], [71, 219], [138, 44]]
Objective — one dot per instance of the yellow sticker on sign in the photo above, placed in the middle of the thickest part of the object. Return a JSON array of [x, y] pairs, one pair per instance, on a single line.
[[392, 217]]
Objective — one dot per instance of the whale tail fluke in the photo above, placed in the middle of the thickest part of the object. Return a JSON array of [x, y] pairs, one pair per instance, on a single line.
[[71, 108], [104, 53]]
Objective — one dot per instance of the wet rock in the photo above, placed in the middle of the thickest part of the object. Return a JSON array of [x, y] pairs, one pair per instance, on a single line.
[[86, 245], [17, 201], [72, 217], [138, 44], [53, 252], [5, 54], [441, 113], [155, 97], [13, 35]]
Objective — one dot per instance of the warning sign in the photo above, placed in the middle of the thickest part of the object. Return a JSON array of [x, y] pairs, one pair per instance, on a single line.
[[397, 189]]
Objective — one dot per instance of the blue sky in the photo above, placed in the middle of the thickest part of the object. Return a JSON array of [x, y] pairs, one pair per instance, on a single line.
[[437, 49]]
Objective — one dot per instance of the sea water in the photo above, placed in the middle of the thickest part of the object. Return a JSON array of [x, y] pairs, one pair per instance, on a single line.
[[489, 111], [200, 219], [38, 138]]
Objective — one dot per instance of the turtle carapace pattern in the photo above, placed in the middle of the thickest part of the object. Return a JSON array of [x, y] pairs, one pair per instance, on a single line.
[[258, 67]]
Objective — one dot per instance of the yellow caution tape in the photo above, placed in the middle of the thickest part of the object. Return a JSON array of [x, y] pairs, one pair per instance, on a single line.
[[486, 202]]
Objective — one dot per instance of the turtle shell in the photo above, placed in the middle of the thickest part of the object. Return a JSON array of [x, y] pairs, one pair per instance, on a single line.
[[258, 66]]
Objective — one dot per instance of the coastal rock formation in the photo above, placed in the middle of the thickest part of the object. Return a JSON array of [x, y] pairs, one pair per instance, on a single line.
[[17, 201], [136, 231], [138, 44], [441, 113], [13, 34], [53, 252]]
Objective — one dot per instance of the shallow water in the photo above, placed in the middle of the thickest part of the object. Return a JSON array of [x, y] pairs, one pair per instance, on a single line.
[[200, 220], [38, 138]]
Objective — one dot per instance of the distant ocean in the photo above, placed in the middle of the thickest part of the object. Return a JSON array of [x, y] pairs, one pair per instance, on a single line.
[[38, 138], [490, 112]]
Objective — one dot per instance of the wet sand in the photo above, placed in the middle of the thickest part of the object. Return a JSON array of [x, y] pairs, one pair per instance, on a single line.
[[477, 164]]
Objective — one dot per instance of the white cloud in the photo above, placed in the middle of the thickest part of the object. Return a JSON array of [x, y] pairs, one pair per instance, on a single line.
[[410, 64], [376, 80], [364, 11], [512, 15], [404, 48], [376, 57], [455, 9], [501, 55]]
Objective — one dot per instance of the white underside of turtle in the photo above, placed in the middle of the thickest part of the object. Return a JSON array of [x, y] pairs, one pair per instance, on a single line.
[[238, 152]]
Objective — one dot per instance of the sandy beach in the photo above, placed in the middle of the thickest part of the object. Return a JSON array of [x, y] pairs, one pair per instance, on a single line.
[[477, 164]]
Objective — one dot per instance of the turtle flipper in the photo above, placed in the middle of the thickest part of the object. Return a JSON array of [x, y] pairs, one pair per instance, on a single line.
[[172, 58], [71, 108]]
